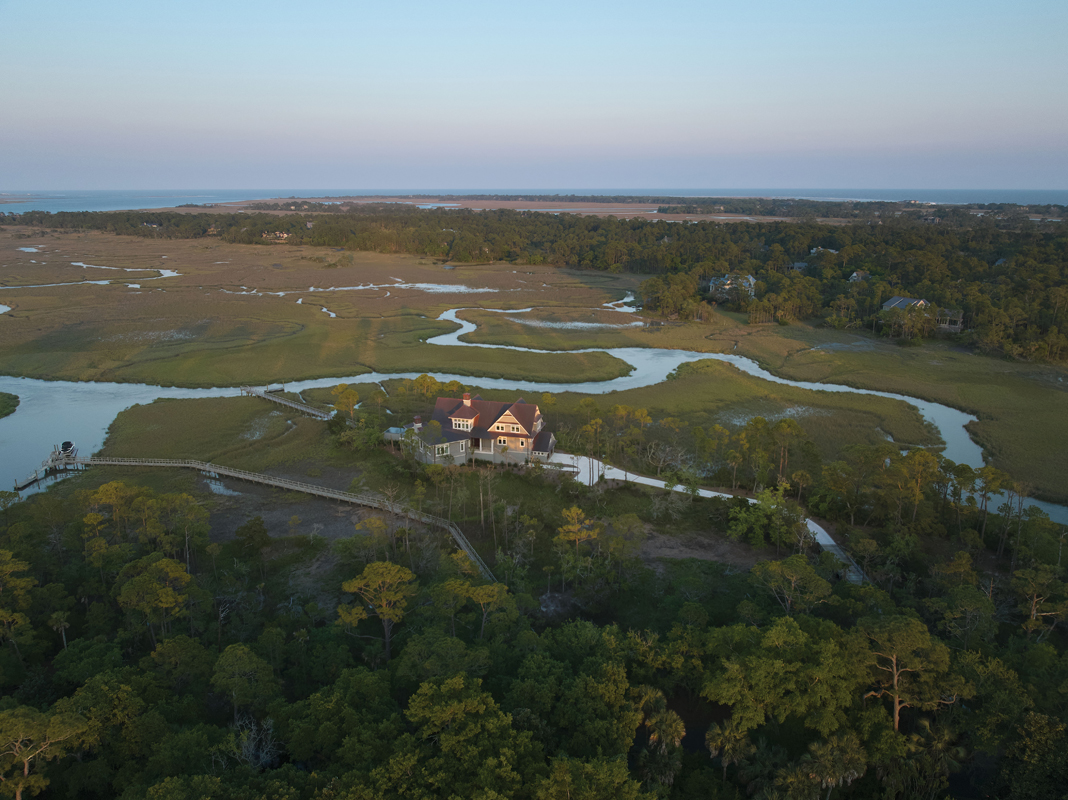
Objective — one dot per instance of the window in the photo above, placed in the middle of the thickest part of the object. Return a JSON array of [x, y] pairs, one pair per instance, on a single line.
[[516, 429], [461, 424], [443, 450], [498, 427], [502, 440], [522, 442], [463, 446]]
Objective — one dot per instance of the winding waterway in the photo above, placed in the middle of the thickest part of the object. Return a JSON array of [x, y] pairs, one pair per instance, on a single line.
[[54, 411]]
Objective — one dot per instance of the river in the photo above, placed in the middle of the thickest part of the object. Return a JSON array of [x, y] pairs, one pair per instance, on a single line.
[[54, 411]]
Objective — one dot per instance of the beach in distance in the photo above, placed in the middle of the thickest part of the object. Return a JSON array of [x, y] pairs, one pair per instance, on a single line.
[[53, 201]]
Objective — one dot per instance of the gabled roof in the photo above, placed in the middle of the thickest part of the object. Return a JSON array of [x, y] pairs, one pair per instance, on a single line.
[[902, 302], [488, 412]]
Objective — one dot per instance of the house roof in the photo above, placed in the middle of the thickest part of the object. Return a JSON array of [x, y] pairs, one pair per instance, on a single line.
[[487, 411], [903, 302]]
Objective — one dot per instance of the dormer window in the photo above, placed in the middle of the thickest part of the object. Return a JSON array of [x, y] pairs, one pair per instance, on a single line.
[[461, 424]]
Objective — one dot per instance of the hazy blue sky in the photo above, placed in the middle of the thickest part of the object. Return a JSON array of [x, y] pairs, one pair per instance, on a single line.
[[431, 95]]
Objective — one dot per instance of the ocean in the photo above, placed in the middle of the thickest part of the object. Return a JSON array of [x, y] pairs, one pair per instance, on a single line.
[[115, 200]]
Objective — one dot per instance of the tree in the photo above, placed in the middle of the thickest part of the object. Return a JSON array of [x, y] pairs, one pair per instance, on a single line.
[[792, 582], [386, 588], [58, 623], [27, 736], [14, 588], [1037, 589], [155, 588], [838, 761], [771, 516], [910, 666], [489, 597], [253, 537], [464, 746], [597, 779], [347, 399], [242, 675], [729, 742]]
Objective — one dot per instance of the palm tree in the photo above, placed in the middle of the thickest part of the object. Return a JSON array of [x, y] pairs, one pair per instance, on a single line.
[[757, 771], [837, 762], [797, 782], [666, 729], [730, 742], [59, 623], [938, 755]]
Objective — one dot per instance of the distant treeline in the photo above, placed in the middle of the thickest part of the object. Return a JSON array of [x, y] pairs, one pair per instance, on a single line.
[[1009, 276]]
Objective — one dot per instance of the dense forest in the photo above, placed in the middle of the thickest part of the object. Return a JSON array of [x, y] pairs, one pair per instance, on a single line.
[[1006, 275], [143, 657]]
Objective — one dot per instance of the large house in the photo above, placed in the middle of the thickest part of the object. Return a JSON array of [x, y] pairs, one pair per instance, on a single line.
[[730, 285], [469, 428]]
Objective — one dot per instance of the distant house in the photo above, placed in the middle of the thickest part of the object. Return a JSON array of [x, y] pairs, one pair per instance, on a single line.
[[723, 288], [859, 275], [950, 320], [470, 428], [815, 250], [904, 302], [799, 266]]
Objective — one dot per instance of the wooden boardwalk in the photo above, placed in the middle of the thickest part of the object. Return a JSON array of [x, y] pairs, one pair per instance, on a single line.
[[303, 408], [57, 462]]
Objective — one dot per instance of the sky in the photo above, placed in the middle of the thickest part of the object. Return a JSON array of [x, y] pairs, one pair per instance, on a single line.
[[421, 95]]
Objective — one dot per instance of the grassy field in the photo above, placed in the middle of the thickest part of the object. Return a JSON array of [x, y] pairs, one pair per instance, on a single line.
[[1022, 408], [221, 321], [713, 393], [242, 432], [8, 403]]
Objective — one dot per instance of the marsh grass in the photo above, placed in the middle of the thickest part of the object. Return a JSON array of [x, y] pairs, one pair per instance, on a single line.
[[707, 393], [188, 331], [241, 432], [510, 330], [185, 331], [8, 403], [1022, 408]]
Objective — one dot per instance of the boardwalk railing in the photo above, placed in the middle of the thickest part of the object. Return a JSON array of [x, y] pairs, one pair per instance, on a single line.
[[303, 408], [215, 470]]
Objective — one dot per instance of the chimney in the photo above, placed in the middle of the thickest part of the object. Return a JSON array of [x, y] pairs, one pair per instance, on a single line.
[[467, 398], [418, 424]]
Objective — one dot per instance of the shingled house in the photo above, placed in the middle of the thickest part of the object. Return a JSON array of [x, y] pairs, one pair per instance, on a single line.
[[469, 428]]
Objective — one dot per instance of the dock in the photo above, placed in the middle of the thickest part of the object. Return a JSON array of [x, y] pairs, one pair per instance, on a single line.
[[303, 408]]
